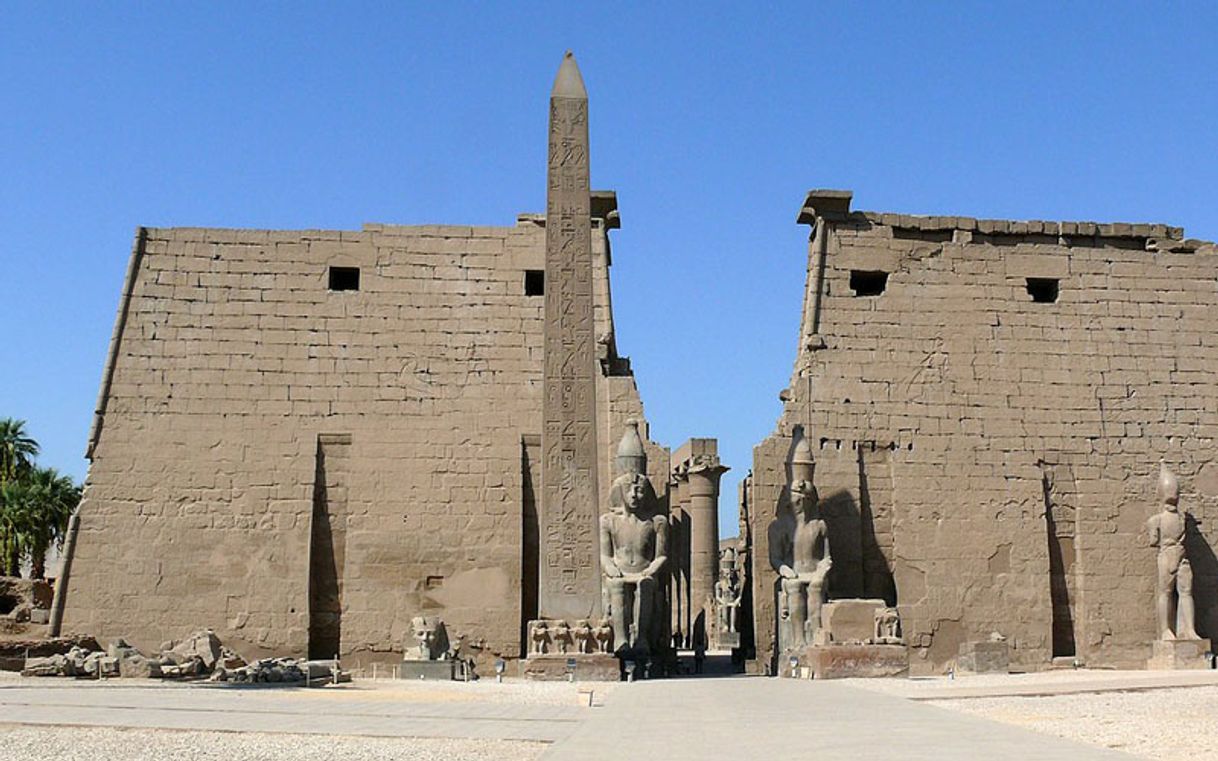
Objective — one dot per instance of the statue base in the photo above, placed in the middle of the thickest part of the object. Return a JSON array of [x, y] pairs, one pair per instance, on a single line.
[[572, 667], [726, 641], [434, 670], [1179, 654], [845, 661]]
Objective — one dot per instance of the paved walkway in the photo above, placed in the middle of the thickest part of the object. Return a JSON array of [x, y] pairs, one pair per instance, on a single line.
[[672, 719], [777, 719], [281, 709]]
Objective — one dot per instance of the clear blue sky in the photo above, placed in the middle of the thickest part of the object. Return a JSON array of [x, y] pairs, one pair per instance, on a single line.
[[710, 120]]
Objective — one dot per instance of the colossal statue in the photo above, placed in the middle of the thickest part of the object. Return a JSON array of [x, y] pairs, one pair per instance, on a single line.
[[799, 552], [1175, 612], [633, 549]]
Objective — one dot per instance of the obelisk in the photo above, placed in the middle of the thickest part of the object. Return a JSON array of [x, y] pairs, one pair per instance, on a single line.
[[569, 577]]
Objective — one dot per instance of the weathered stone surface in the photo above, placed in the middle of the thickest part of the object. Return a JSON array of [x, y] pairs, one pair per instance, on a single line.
[[13, 652], [248, 411], [136, 666], [1179, 654], [203, 646], [987, 460], [846, 661], [989, 657], [441, 670], [569, 577], [850, 621], [595, 667]]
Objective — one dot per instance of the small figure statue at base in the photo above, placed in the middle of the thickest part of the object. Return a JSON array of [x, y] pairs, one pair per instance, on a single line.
[[887, 627], [539, 637], [582, 633], [603, 634], [1174, 608]]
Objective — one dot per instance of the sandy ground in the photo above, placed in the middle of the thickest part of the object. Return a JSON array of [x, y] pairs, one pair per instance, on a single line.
[[96, 744], [1163, 724]]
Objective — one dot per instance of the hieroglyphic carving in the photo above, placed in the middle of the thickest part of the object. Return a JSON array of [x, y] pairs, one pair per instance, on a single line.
[[569, 576]]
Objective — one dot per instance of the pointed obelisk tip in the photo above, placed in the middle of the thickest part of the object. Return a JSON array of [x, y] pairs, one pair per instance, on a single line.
[[569, 83]]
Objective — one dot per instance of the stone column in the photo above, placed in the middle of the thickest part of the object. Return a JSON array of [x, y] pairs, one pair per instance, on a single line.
[[704, 474]]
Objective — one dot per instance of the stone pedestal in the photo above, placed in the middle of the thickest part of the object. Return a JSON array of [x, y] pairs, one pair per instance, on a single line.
[[988, 657], [576, 667], [1179, 654], [845, 661], [441, 670], [849, 621], [726, 640]]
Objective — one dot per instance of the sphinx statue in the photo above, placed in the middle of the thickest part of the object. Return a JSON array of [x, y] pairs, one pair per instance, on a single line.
[[1174, 607], [799, 553], [633, 550]]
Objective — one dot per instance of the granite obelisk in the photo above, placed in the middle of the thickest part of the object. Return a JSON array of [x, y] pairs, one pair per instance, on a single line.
[[569, 577]]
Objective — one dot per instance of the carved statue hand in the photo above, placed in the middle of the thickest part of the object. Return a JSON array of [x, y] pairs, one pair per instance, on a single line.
[[612, 571], [634, 578], [787, 572]]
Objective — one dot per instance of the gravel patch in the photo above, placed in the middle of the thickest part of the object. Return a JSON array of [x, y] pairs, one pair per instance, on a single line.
[[1163, 724], [95, 744]]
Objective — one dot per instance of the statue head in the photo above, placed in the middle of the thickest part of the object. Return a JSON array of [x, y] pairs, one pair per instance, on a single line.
[[629, 491], [631, 457], [1169, 487], [803, 493]]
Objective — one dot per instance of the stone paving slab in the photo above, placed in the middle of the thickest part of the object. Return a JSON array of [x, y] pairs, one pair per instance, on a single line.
[[776, 719], [324, 712]]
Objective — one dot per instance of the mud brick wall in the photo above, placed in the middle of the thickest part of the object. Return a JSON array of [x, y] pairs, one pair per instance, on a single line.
[[988, 459], [235, 360]]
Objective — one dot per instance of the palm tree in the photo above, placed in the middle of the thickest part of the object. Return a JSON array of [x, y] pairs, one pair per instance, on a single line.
[[15, 499], [53, 500], [17, 450]]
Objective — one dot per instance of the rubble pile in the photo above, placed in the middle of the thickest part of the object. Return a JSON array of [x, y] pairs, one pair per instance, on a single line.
[[281, 670], [198, 655]]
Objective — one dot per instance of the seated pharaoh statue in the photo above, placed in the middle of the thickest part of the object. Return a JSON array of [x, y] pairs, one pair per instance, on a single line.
[[799, 552], [633, 550]]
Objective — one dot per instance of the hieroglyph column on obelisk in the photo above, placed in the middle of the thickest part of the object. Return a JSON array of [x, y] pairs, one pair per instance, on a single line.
[[569, 578]]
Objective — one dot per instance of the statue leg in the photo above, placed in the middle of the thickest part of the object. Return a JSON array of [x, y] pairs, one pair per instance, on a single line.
[[1186, 625], [797, 601], [815, 598], [644, 604], [1168, 564], [617, 605]]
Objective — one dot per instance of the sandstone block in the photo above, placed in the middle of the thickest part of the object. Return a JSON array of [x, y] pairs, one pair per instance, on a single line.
[[850, 621], [1179, 654], [987, 657]]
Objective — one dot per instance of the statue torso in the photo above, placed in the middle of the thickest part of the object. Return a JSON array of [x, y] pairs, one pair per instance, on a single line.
[[1171, 528], [634, 541], [808, 544]]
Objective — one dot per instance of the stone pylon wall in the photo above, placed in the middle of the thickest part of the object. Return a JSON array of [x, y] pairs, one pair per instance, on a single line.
[[235, 360], [952, 416]]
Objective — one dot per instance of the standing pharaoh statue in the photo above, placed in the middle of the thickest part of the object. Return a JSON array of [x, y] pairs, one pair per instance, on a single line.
[[799, 552], [1174, 588], [727, 591], [634, 547]]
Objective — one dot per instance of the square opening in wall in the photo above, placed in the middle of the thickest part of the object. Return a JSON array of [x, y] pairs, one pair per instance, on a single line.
[[1043, 290], [868, 282], [344, 278], [534, 282]]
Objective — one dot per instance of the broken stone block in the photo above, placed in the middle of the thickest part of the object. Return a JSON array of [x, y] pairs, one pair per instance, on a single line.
[[138, 667], [203, 645]]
